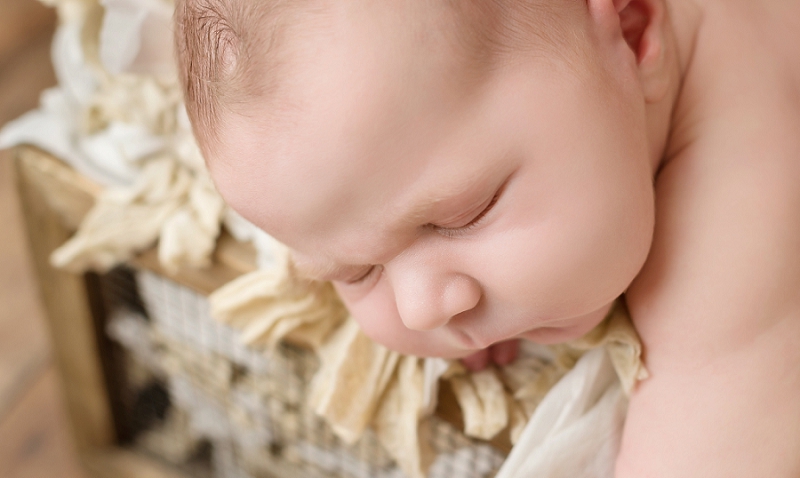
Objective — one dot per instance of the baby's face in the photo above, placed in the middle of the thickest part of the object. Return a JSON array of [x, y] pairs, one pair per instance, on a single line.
[[451, 210]]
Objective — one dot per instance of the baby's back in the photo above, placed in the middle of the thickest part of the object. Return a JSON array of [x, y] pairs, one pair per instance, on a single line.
[[718, 302]]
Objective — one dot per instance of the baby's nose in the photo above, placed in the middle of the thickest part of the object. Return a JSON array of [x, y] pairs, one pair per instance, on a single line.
[[426, 302]]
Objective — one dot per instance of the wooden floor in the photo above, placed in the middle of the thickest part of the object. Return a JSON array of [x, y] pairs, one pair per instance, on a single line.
[[34, 441]]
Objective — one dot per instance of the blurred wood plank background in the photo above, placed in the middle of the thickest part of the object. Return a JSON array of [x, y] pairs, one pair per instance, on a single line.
[[34, 440]]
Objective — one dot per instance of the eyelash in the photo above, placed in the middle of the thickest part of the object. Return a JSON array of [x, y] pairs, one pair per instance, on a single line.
[[448, 232], [475, 222], [363, 278]]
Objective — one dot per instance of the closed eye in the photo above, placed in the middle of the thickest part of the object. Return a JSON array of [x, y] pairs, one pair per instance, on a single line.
[[476, 220], [363, 275]]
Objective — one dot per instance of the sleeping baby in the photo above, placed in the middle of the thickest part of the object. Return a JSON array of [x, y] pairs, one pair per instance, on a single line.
[[469, 173]]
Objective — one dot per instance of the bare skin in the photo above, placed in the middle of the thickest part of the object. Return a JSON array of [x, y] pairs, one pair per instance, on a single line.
[[718, 304], [706, 107]]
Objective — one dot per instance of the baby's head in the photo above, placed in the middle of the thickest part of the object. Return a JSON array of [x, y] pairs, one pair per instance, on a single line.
[[465, 171]]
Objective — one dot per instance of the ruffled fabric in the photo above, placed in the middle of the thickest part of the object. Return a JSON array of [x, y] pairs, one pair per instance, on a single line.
[[271, 304], [361, 384], [117, 118]]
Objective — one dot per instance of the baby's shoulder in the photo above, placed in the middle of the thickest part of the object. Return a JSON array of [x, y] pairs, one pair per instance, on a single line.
[[726, 252], [743, 31], [742, 80]]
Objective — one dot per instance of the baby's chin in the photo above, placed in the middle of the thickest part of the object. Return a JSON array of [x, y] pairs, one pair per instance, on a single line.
[[571, 330], [556, 335], [539, 335]]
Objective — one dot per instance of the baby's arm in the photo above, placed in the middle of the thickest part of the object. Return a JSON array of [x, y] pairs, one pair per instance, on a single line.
[[718, 311]]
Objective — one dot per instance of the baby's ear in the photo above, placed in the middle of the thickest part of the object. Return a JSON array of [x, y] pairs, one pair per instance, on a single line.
[[643, 25]]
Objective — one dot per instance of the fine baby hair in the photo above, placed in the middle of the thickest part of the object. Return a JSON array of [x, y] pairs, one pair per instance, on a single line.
[[230, 51]]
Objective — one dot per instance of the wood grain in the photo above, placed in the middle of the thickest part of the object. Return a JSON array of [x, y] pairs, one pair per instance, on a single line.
[[36, 438], [24, 71], [34, 442], [20, 22], [24, 349], [65, 299], [24, 77]]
